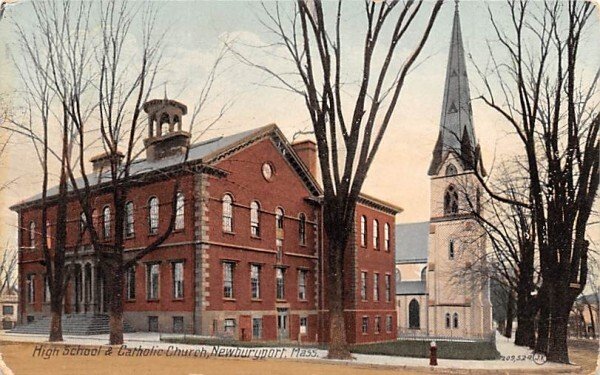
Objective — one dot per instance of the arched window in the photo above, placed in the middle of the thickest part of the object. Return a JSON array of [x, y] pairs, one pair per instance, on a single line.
[[376, 234], [180, 211], [48, 234], [82, 223], [424, 274], [448, 320], [451, 201], [129, 228], [455, 320], [302, 229], [153, 215], [106, 221], [227, 213], [32, 234], [414, 320], [386, 237], [363, 231], [398, 276], [164, 119], [95, 219], [255, 219], [450, 170], [451, 250], [279, 218]]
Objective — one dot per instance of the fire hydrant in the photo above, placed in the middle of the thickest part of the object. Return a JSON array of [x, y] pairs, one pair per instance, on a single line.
[[433, 354]]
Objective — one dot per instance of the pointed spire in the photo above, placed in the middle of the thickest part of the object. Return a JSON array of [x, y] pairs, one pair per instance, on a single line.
[[456, 124]]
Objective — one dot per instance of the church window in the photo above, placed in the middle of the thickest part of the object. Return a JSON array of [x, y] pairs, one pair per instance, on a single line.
[[414, 321], [451, 250], [447, 320], [451, 201], [450, 170], [455, 320], [424, 274]]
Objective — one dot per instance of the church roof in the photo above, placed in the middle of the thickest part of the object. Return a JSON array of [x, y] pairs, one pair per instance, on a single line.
[[410, 288], [456, 125], [412, 242]]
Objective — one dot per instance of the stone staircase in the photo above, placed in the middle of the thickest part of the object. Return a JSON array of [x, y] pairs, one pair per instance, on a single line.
[[74, 324]]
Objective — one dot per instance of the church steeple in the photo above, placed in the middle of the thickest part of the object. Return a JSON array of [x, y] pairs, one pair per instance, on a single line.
[[456, 125]]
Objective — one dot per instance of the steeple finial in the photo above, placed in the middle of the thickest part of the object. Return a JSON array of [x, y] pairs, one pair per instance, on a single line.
[[457, 117]]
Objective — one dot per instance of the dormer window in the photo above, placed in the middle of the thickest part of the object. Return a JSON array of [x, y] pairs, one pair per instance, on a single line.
[[451, 170], [451, 201]]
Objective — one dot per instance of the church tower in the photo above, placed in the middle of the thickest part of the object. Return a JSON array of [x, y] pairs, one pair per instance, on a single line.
[[458, 304]]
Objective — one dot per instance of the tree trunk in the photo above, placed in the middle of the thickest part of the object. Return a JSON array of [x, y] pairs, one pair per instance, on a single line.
[[116, 307], [592, 321], [557, 346], [541, 344], [56, 321], [525, 332], [509, 315], [338, 343]]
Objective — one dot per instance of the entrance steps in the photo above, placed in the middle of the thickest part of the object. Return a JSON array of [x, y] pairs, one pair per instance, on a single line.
[[72, 324]]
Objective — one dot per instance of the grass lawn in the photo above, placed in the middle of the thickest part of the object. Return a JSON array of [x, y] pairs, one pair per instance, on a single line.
[[400, 348]]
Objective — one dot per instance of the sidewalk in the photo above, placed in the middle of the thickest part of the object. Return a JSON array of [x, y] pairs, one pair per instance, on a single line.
[[517, 364]]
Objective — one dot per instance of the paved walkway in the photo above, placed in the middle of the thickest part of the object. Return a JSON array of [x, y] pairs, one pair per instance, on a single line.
[[519, 358]]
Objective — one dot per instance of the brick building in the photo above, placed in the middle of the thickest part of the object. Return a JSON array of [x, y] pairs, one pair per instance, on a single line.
[[247, 256]]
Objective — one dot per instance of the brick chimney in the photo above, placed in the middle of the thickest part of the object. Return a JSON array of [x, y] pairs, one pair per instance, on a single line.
[[102, 162], [307, 151]]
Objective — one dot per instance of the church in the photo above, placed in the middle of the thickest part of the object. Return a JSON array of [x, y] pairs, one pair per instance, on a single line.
[[434, 294]]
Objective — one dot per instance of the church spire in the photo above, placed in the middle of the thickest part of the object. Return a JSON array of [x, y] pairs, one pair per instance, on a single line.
[[456, 126]]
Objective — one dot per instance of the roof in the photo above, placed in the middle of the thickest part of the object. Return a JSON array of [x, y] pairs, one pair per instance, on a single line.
[[410, 287], [412, 242], [456, 125], [206, 152]]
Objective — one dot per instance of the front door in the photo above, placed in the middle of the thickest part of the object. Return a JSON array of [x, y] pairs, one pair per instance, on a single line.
[[282, 324]]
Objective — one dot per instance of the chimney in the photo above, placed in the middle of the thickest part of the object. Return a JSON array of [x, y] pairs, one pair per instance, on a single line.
[[307, 151], [102, 162]]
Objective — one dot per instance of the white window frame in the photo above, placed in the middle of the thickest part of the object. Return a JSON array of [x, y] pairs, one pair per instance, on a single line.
[[153, 215], [178, 279], [227, 214], [180, 211]]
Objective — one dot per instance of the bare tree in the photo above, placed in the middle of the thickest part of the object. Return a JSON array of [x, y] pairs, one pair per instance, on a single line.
[[348, 132], [537, 86], [8, 271]]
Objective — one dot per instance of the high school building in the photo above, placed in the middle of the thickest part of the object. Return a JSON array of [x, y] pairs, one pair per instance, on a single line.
[[246, 258], [436, 296]]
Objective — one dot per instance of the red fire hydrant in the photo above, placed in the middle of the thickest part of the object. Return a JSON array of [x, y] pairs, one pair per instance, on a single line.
[[433, 354]]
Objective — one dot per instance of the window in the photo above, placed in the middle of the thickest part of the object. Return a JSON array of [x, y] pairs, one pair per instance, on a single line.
[[48, 234], [375, 234], [31, 288], [448, 320], [228, 280], [363, 286], [229, 326], [302, 284], [96, 220], [365, 324], [32, 234], [363, 231], [280, 283], [131, 283], [388, 288], [303, 325], [376, 287], [451, 201], [82, 223], [178, 279], [152, 279], [129, 229], [424, 274], [153, 324], [46, 289], [450, 170], [414, 320], [377, 324], [451, 250], [255, 219], [180, 211], [279, 218], [386, 237], [153, 215], [257, 328], [178, 324], [255, 280], [389, 323], [8, 310], [455, 320], [106, 222], [302, 229], [227, 213]]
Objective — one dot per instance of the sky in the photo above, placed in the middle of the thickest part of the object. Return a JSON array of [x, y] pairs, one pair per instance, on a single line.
[[195, 31]]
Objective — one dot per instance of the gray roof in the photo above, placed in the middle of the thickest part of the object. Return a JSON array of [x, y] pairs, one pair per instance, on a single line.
[[410, 287], [412, 242], [197, 152]]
